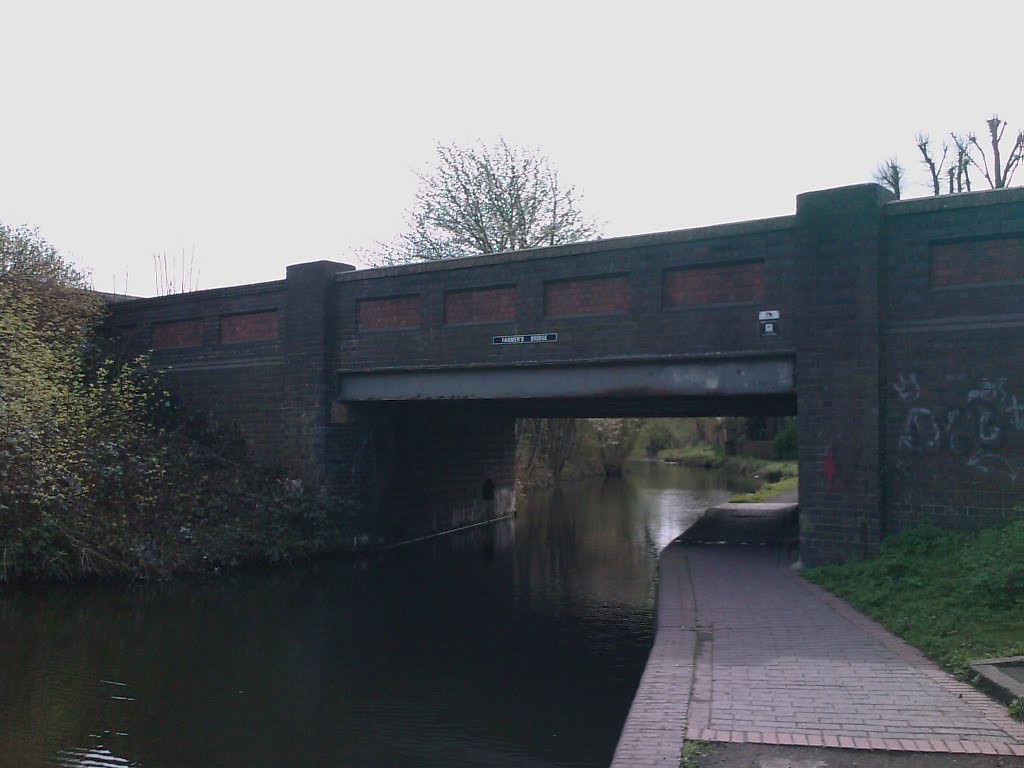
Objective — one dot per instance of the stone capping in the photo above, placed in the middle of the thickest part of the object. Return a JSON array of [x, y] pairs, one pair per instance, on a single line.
[[751, 354], [672, 237], [210, 294], [1004, 687], [936, 204]]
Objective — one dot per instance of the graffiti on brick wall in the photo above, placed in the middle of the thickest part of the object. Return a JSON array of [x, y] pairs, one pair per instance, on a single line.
[[973, 432]]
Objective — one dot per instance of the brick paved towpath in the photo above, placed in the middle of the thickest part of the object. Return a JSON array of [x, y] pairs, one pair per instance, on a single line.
[[747, 651]]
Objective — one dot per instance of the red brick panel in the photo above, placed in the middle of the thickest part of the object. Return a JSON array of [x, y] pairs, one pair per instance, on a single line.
[[389, 314], [485, 305], [590, 296], [178, 333], [981, 261], [725, 284], [250, 326]]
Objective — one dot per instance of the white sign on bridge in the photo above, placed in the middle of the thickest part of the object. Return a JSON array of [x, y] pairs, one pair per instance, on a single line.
[[526, 338]]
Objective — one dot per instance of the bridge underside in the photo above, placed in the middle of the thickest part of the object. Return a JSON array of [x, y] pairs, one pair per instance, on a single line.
[[663, 388], [436, 449]]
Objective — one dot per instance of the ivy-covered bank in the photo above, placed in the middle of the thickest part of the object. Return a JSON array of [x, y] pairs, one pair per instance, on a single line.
[[100, 474]]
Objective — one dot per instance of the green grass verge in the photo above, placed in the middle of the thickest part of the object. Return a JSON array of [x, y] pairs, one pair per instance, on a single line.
[[768, 491], [694, 456], [957, 596]]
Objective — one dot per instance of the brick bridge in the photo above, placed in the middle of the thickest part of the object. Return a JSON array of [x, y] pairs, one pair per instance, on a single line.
[[895, 333]]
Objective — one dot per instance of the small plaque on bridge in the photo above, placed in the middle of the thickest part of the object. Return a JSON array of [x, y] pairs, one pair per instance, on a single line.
[[769, 320], [525, 338]]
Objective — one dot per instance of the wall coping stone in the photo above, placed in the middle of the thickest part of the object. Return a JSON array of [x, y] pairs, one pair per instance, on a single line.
[[209, 294], [737, 229], [974, 199]]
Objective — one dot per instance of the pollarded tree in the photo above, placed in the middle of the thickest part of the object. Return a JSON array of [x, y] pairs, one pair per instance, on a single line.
[[950, 171], [486, 199]]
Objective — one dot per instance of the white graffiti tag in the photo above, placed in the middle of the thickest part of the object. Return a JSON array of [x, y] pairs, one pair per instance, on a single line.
[[976, 432], [907, 388]]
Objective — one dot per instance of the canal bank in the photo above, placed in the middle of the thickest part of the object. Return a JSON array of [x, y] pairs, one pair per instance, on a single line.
[[514, 644], [746, 652]]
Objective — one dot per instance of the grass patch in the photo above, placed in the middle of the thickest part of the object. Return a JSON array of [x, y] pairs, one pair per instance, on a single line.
[[778, 476], [707, 456], [768, 491], [957, 596], [691, 752]]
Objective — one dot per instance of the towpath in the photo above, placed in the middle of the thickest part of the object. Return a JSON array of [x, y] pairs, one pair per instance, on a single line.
[[748, 653]]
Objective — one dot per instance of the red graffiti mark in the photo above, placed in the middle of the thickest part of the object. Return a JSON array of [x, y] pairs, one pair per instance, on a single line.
[[830, 469]]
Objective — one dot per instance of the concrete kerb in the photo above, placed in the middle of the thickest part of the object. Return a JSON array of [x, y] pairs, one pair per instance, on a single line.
[[656, 725]]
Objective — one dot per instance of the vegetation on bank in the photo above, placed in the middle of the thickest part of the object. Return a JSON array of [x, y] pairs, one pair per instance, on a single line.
[[769, 491], [100, 473], [958, 596], [778, 476]]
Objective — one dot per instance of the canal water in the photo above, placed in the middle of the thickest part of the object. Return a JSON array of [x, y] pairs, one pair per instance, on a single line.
[[515, 644]]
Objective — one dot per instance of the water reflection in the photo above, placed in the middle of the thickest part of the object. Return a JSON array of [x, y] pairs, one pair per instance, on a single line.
[[514, 644]]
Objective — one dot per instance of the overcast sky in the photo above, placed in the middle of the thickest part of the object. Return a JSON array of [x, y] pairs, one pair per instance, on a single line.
[[264, 134]]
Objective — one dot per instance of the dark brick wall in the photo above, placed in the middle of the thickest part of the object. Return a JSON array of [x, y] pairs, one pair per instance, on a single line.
[[422, 468], [646, 329], [953, 373], [239, 382], [838, 352]]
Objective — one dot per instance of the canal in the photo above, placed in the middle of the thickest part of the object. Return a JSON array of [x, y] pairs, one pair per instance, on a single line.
[[515, 644]]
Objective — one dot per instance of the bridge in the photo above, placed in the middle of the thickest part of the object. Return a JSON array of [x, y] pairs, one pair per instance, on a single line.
[[892, 329]]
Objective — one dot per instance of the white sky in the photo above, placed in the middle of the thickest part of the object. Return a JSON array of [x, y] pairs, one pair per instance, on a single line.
[[262, 135]]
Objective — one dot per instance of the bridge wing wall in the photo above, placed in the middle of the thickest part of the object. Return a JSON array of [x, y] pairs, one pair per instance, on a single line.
[[952, 318], [253, 357]]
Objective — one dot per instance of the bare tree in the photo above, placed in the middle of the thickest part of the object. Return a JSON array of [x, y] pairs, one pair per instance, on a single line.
[[1000, 175], [890, 174], [481, 199], [934, 169], [968, 151]]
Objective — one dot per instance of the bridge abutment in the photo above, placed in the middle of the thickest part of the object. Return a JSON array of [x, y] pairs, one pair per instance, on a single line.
[[418, 469], [838, 371]]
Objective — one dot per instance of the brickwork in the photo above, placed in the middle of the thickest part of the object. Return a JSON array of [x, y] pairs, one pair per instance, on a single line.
[[480, 305], [647, 329], [953, 377], [250, 326], [727, 284], [240, 385], [902, 321], [593, 296], [389, 313], [990, 260], [838, 343], [178, 333]]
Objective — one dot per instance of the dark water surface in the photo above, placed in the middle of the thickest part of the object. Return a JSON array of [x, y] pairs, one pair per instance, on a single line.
[[515, 644]]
